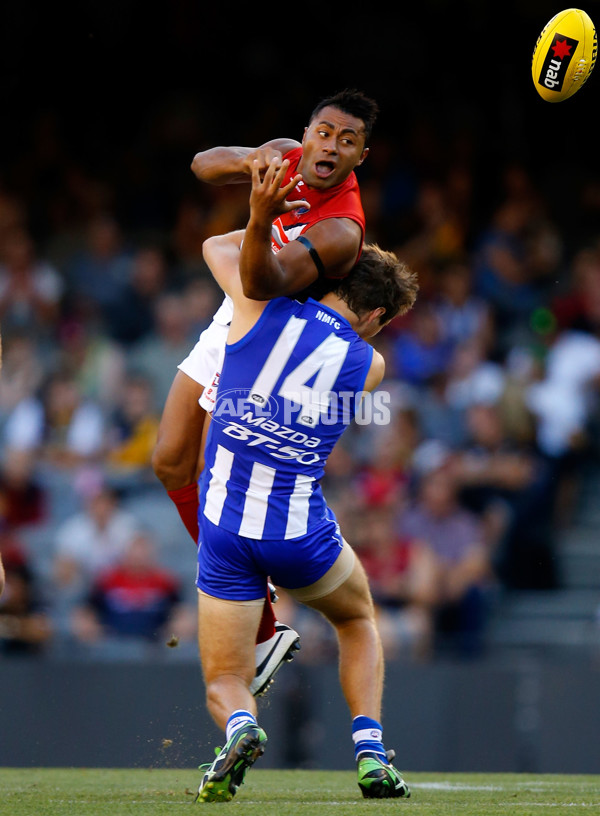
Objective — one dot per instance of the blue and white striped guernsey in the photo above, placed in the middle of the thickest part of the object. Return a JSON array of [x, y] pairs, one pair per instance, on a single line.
[[287, 392]]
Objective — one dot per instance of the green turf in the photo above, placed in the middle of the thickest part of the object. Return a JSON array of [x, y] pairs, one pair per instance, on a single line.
[[93, 792]]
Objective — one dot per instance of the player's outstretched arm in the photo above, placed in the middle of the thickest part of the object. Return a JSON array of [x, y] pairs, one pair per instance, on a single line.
[[222, 254], [260, 271], [233, 165], [328, 248]]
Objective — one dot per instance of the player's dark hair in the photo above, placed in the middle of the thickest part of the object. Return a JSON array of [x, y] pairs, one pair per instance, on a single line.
[[379, 278], [354, 103]]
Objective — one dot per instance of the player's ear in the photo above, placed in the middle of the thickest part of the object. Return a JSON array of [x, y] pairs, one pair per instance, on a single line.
[[304, 134], [369, 323], [373, 318], [363, 156]]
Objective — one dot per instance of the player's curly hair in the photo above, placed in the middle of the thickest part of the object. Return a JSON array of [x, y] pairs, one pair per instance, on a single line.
[[379, 278], [353, 102]]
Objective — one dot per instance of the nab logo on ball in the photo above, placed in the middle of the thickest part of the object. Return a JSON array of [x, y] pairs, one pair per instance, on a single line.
[[557, 62], [564, 55]]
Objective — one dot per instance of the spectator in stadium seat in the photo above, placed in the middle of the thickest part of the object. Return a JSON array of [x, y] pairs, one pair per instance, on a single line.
[[97, 361], [439, 232], [565, 402], [401, 575], [158, 353], [135, 598], [30, 289], [24, 497], [502, 276], [579, 302], [421, 351], [132, 315], [23, 369], [491, 470], [472, 377], [99, 273], [60, 426], [465, 316], [508, 485], [462, 565], [91, 541], [25, 626], [203, 299], [131, 431]]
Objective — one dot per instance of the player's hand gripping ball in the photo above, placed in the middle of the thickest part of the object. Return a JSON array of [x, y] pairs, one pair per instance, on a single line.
[[564, 55]]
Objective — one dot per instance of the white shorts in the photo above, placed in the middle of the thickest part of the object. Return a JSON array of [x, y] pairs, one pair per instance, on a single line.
[[203, 363]]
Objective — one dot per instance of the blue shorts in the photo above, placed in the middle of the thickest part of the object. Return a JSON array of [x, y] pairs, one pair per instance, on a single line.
[[237, 568]]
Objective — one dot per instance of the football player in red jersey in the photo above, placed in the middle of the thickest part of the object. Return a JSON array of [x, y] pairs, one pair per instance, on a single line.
[[334, 144], [316, 240]]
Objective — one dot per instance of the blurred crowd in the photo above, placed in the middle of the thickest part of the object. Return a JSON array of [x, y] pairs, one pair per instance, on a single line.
[[492, 382]]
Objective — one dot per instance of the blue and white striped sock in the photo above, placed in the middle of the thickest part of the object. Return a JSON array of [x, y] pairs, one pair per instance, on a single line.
[[367, 735], [237, 719]]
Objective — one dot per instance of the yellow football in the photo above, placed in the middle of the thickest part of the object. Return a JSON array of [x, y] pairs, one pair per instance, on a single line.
[[564, 55]]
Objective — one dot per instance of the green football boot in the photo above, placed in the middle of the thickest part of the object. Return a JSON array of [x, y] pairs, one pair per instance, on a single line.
[[224, 776], [378, 779]]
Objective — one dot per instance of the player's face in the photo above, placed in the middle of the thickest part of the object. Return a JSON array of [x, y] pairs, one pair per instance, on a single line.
[[332, 146]]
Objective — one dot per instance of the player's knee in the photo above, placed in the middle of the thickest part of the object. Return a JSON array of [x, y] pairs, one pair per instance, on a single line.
[[363, 630], [356, 609], [363, 617]]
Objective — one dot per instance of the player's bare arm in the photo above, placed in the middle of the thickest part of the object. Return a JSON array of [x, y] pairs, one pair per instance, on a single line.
[[335, 246], [176, 458], [222, 255], [334, 243], [376, 372], [233, 165]]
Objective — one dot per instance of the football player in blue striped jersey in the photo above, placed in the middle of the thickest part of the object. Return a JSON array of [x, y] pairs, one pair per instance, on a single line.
[[293, 376]]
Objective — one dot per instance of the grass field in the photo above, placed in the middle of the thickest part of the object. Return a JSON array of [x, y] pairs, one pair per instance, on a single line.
[[94, 792]]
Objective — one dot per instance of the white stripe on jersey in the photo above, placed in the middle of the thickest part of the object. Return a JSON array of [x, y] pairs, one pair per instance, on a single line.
[[257, 500], [278, 235], [297, 521], [292, 233], [282, 236], [217, 487], [264, 385]]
